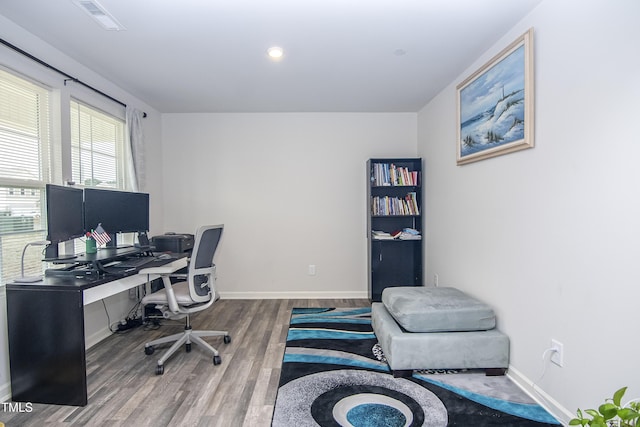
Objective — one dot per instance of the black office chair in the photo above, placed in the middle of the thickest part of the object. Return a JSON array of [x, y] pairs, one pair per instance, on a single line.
[[197, 293]]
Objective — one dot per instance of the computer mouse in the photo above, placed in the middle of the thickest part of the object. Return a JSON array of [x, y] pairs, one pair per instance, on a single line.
[[164, 256]]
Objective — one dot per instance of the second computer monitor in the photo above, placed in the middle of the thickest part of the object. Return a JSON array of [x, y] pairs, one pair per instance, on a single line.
[[117, 211]]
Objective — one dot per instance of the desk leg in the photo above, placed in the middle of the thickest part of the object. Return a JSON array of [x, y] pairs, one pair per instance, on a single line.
[[147, 286], [46, 346]]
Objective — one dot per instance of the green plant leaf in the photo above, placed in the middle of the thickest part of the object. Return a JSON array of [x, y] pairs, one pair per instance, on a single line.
[[617, 396], [576, 422], [608, 410], [592, 412], [628, 414]]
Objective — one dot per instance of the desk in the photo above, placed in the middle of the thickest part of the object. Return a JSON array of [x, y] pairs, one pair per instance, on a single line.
[[46, 331]]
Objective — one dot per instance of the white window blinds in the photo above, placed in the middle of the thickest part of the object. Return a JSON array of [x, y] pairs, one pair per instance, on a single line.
[[24, 129], [24, 170], [97, 142]]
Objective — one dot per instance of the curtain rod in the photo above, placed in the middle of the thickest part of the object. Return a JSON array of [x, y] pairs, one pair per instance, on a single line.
[[68, 77]]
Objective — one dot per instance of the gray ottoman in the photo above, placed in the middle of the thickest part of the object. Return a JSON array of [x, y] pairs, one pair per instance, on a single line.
[[438, 328]]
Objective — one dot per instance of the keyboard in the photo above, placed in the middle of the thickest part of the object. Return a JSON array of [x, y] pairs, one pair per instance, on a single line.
[[135, 262]]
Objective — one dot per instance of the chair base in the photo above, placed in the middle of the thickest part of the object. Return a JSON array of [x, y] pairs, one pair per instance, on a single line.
[[187, 337]]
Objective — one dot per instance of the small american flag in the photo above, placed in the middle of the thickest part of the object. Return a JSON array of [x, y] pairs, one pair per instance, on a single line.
[[100, 236]]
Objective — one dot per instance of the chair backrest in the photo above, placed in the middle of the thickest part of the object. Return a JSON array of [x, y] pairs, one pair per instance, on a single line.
[[201, 272]]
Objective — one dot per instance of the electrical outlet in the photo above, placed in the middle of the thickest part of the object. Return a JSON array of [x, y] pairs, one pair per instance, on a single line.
[[435, 279], [312, 270], [557, 354]]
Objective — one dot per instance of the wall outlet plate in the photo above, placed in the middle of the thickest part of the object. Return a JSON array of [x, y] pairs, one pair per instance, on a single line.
[[557, 352]]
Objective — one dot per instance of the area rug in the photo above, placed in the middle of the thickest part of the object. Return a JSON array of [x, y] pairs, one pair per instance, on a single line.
[[334, 374]]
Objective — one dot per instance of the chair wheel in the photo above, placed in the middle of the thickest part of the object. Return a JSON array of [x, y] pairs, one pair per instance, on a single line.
[[227, 339], [188, 347], [159, 369], [217, 360], [149, 350]]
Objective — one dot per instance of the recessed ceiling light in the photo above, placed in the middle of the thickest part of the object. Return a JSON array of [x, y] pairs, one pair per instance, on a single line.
[[275, 52], [99, 14]]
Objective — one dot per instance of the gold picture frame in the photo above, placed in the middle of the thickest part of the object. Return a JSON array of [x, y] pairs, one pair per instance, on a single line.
[[495, 105]]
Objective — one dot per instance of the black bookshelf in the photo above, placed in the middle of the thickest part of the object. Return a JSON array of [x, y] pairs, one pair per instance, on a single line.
[[394, 197]]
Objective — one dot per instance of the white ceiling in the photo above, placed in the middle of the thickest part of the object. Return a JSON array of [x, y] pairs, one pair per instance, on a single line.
[[340, 55]]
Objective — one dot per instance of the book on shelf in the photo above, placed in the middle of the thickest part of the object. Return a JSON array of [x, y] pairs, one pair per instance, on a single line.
[[410, 237], [404, 234], [409, 234], [395, 206], [381, 235], [385, 174]]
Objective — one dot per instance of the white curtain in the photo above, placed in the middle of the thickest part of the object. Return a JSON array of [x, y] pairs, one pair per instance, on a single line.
[[135, 143]]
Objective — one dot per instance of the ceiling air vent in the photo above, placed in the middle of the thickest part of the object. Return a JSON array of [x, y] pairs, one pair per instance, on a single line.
[[99, 14]]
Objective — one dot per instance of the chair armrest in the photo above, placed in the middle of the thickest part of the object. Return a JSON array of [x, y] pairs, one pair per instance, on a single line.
[[171, 296]]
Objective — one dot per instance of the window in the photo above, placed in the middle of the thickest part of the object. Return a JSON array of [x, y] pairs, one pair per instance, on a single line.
[[30, 158], [97, 148], [24, 170], [97, 152]]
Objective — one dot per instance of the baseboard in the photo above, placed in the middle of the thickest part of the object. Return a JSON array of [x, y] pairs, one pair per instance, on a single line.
[[536, 393], [296, 295], [5, 392], [96, 337]]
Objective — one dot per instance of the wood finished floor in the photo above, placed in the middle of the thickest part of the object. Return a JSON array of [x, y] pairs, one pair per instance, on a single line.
[[124, 390]]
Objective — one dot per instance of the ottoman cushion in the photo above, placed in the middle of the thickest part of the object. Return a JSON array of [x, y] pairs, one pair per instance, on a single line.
[[438, 350], [429, 309]]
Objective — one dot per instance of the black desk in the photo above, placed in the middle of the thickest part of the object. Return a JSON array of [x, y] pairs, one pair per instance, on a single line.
[[46, 329]]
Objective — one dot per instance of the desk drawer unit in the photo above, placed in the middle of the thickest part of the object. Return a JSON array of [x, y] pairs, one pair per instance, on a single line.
[[46, 346]]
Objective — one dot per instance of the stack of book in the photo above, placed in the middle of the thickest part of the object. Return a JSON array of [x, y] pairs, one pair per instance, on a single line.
[[381, 235], [404, 234], [407, 234]]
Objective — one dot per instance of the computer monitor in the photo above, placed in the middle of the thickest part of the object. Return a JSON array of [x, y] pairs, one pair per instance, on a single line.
[[64, 213], [117, 211], [64, 216]]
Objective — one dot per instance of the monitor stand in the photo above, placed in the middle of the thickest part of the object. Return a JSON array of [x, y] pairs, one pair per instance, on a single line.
[[51, 254], [61, 258]]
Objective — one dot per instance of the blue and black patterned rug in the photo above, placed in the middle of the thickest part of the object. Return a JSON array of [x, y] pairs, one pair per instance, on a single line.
[[334, 374]]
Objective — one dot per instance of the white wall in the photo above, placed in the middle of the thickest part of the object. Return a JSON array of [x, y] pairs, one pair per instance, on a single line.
[[550, 236], [290, 189]]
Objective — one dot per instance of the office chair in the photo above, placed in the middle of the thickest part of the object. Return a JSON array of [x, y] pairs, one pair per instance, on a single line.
[[197, 293]]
